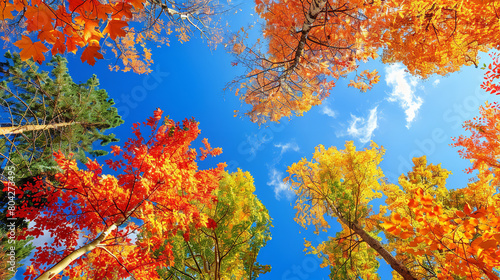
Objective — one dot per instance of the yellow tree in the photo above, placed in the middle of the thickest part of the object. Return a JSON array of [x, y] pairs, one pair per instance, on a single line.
[[431, 232], [227, 248], [308, 45]]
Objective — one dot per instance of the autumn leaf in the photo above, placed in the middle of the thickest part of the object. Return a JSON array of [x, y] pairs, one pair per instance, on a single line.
[[31, 50], [58, 48], [39, 17], [90, 53], [6, 9], [115, 29], [91, 31]]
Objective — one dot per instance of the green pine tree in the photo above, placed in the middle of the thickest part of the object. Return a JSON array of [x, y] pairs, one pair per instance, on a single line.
[[22, 249], [42, 112]]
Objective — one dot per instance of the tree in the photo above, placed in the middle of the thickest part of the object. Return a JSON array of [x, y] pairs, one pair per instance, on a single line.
[[490, 83], [122, 27], [431, 232], [46, 112], [309, 45], [19, 249], [43, 112], [158, 191], [482, 146], [238, 227]]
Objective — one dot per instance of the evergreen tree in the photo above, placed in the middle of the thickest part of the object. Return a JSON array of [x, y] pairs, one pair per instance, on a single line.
[[44, 112], [40, 113], [22, 249]]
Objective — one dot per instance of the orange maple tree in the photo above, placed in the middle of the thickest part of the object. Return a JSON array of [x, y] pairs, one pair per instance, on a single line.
[[159, 191], [456, 231], [120, 26], [308, 45]]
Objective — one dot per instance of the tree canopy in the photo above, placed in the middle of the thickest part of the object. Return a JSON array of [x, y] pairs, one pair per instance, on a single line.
[[120, 27], [434, 231], [157, 209], [45, 112], [157, 191], [306, 46], [228, 249]]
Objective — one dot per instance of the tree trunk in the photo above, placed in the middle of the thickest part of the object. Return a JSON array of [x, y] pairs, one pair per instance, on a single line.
[[32, 127], [62, 264], [315, 9], [375, 244]]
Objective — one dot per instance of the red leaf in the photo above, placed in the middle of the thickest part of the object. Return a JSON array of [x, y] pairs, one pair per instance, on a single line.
[[90, 53]]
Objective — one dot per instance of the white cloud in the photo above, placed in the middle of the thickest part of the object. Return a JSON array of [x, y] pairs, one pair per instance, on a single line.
[[326, 110], [280, 188], [363, 129], [403, 91], [256, 143], [436, 82], [288, 146]]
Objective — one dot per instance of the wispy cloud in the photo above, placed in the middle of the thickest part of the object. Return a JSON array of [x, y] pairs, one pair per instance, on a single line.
[[287, 146], [403, 91], [281, 189], [326, 110], [362, 128], [256, 143], [436, 82]]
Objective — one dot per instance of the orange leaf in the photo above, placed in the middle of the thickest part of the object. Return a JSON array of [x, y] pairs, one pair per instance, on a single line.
[[48, 35], [406, 234], [71, 43], [31, 50], [497, 236], [115, 28], [59, 47], [38, 17], [488, 244], [467, 209], [91, 30], [396, 218], [412, 203], [476, 242], [136, 3], [6, 9], [90, 54], [478, 214], [62, 17]]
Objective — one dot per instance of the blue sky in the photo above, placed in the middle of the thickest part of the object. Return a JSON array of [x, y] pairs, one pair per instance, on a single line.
[[408, 116]]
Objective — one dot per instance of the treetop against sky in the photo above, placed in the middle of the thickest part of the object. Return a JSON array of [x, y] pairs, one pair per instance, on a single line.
[[399, 99]]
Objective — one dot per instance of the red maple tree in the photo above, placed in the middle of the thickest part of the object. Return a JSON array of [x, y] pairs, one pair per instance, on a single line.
[[123, 220]]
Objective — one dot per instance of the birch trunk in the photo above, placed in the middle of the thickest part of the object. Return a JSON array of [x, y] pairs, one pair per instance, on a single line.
[[62, 264], [32, 127]]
